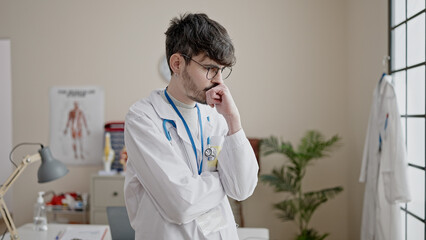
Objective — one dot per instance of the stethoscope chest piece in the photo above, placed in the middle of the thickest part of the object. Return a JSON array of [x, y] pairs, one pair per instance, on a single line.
[[210, 153]]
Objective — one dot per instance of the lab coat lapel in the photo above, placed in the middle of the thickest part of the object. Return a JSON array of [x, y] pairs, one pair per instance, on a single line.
[[207, 122], [382, 105], [207, 129], [166, 111]]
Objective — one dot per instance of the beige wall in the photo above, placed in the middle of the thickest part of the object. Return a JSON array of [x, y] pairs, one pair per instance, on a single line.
[[300, 65], [367, 23]]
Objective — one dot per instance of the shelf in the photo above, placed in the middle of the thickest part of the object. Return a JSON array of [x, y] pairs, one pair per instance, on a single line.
[[57, 210]]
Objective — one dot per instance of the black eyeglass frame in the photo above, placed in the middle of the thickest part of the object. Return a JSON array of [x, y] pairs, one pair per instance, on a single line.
[[209, 68]]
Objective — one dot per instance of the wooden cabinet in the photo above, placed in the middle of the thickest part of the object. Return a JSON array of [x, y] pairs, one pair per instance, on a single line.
[[105, 191]]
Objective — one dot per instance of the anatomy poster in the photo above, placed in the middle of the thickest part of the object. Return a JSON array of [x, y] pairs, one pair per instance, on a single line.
[[76, 124]]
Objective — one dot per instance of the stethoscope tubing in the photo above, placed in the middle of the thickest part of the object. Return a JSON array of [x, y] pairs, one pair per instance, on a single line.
[[188, 131]]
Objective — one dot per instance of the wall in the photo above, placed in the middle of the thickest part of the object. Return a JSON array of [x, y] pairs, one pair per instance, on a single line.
[[300, 65], [5, 120], [367, 23]]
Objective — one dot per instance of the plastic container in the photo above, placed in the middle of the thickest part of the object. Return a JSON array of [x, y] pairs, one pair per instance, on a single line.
[[40, 218]]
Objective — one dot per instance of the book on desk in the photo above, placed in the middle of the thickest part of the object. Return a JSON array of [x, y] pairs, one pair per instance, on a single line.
[[61, 231], [83, 233]]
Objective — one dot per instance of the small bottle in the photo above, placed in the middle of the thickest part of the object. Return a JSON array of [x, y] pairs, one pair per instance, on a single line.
[[40, 219]]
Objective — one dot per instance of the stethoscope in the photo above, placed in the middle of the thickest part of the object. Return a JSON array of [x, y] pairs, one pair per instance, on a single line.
[[210, 152]]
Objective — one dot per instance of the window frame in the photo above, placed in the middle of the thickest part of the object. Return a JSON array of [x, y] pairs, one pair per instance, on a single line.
[[405, 115]]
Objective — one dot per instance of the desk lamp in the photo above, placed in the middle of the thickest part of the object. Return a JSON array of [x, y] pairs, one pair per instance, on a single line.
[[49, 170]]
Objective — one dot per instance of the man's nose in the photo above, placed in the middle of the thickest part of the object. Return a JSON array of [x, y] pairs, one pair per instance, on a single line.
[[218, 78]]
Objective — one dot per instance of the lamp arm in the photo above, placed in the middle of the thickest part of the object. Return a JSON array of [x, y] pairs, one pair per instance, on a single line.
[[25, 162], [12, 178], [8, 220]]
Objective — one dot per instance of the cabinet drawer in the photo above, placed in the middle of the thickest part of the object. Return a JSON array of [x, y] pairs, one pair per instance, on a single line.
[[108, 192]]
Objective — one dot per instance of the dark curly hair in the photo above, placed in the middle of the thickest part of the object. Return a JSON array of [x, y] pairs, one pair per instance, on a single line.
[[194, 34]]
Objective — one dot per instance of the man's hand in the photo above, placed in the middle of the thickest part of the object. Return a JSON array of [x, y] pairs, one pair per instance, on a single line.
[[221, 97]]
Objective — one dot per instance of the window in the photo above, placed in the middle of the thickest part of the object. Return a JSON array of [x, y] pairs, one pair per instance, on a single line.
[[407, 66]]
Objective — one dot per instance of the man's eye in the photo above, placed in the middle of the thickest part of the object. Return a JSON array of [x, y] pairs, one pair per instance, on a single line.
[[214, 69]]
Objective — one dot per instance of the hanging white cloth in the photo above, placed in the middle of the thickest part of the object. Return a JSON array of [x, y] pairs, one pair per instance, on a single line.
[[384, 168]]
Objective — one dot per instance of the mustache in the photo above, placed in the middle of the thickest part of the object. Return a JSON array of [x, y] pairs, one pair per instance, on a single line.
[[208, 88]]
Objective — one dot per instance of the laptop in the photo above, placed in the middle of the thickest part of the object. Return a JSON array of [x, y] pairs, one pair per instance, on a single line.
[[119, 224]]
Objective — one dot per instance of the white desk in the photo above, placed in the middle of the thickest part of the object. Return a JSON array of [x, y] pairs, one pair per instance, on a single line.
[[253, 233], [26, 232]]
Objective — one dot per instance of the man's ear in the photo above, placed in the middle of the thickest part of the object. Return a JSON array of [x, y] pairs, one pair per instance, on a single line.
[[176, 63]]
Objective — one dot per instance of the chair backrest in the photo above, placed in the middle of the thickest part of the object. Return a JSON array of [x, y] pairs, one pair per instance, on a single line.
[[119, 224]]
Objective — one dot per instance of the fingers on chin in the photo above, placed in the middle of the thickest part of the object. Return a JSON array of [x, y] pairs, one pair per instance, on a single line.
[[213, 102]]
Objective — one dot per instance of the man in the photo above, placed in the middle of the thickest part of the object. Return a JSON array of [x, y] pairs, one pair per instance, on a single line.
[[186, 157], [75, 122]]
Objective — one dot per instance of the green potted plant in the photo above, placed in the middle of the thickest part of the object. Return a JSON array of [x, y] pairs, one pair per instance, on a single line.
[[299, 206]]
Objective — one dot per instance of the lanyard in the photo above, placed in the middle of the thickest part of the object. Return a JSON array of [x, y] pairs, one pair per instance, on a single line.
[[199, 166]]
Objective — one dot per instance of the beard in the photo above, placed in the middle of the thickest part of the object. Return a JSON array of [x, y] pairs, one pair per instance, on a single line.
[[192, 92]]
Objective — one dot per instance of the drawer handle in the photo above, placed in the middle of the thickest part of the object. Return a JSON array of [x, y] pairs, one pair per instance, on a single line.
[[115, 194]]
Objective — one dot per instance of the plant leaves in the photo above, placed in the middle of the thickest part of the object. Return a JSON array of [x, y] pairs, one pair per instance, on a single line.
[[287, 208], [273, 145], [313, 145], [327, 193], [281, 180], [300, 206], [312, 200], [311, 234]]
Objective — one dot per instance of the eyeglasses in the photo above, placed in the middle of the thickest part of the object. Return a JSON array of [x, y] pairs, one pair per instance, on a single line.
[[213, 70]]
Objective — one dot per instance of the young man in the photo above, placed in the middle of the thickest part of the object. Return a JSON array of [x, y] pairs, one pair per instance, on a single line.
[[186, 147]]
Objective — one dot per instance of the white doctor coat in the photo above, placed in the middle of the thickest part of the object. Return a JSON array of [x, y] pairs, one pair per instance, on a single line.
[[164, 194], [384, 168]]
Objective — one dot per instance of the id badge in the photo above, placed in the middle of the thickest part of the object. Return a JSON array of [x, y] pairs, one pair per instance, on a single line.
[[211, 221]]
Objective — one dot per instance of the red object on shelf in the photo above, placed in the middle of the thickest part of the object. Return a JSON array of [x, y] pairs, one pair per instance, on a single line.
[[56, 200], [73, 194], [114, 127]]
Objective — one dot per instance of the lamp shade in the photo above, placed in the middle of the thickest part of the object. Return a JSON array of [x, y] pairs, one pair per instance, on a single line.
[[50, 168]]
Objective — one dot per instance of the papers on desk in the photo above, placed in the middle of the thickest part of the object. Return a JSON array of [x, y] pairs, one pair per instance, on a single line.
[[89, 232]]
